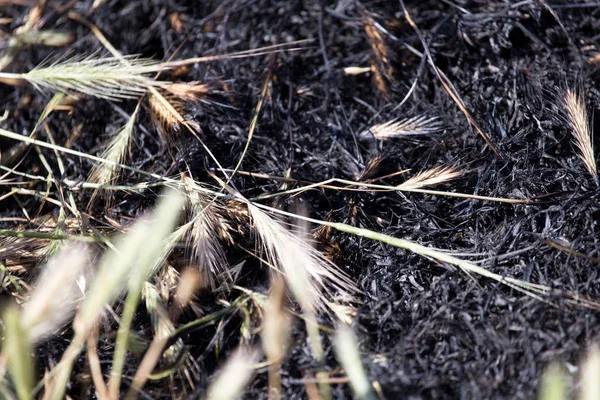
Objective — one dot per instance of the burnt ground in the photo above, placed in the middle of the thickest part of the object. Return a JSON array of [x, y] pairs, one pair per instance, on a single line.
[[426, 330]]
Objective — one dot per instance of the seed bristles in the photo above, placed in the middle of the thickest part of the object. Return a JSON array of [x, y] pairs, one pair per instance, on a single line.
[[430, 177], [204, 234], [104, 77], [580, 128], [322, 278], [419, 125]]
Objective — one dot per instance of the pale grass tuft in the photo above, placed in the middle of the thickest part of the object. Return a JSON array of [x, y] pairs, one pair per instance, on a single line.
[[234, 376], [130, 263], [204, 234], [104, 77], [346, 349], [430, 177], [578, 120], [58, 291], [415, 126], [161, 226], [287, 252]]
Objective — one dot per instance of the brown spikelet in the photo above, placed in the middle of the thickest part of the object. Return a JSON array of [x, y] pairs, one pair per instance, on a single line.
[[580, 128], [215, 93], [371, 168], [380, 63], [430, 177], [380, 81], [593, 59], [356, 70], [191, 91], [166, 115]]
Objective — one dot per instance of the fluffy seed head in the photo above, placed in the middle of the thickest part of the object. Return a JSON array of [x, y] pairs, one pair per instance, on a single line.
[[580, 128], [419, 125]]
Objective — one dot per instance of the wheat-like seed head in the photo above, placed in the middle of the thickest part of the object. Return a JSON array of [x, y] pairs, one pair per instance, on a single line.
[[106, 77], [419, 125], [430, 177], [580, 128], [166, 114]]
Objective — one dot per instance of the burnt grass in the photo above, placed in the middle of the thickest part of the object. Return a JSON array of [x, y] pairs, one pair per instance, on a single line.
[[426, 330]]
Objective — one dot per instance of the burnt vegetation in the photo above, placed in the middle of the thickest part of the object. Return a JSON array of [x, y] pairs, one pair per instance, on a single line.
[[248, 179]]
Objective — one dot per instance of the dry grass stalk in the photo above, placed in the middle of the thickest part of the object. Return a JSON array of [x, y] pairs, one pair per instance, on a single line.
[[17, 349], [448, 86], [275, 333], [430, 177], [371, 168], [155, 351], [593, 59], [163, 326], [23, 252], [347, 351], [415, 126], [215, 93], [45, 38], [578, 121]]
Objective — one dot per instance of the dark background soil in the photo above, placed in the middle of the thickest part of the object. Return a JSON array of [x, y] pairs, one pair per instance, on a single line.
[[426, 331]]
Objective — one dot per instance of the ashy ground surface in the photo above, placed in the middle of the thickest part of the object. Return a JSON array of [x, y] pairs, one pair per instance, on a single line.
[[426, 329]]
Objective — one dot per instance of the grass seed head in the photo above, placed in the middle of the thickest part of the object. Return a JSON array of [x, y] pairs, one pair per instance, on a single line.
[[430, 177], [415, 126], [313, 278], [578, 121], [103, 77]]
